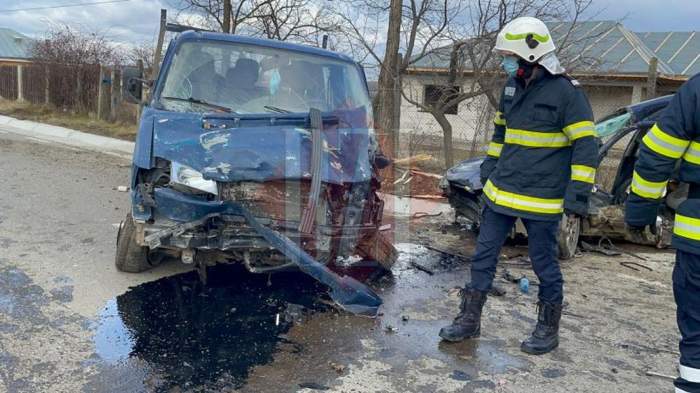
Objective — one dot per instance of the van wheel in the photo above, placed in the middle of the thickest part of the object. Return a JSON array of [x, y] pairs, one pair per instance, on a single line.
[[567, 239], [130, 256]]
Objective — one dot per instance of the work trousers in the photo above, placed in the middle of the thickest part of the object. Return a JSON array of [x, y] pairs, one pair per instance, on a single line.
[[542, 248], [686, 290]]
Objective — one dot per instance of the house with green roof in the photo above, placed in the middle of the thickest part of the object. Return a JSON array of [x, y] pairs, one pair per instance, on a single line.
[[611, 63], [15, 48]]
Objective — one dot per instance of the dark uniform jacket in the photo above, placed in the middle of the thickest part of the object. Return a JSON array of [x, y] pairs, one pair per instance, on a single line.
[[676, 136], [543, 157]]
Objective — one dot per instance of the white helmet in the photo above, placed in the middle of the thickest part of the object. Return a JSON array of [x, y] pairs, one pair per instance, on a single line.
[[526, 37]]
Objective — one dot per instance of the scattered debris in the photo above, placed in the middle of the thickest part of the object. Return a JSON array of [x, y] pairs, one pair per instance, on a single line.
[[591, 248], [655, 374], [404, 318], [390, 329], [631, 265], [122, 188], [497, 290], [418, 215], [313, 386], [524, 285], [607, 248], [460, 376], [448, 253], [339, 368], [422, 268]]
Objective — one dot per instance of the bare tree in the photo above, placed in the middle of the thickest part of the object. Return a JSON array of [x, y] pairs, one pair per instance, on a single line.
[[460, 35], [415, 27], [286, 20]]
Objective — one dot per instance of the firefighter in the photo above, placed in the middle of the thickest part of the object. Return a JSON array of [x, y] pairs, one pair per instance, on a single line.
[[541, 163], [676, 136]]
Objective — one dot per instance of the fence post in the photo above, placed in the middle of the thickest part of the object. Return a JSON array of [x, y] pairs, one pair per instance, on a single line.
[[139, 107], [47, 91], [116, 88], [102, 101], [20, 83]]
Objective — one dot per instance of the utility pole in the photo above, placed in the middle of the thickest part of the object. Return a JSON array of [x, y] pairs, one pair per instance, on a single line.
[[386, 99], [227, 17], [159, 45], [651, 77]]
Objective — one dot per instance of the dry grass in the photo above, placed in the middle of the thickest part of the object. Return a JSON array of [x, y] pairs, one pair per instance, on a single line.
[[76, 121]]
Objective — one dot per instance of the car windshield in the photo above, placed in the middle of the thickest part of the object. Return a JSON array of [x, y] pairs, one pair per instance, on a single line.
[[214, 76], [612, 125]]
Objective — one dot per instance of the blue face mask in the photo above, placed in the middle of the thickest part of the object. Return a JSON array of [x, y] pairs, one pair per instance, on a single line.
[[510, 65]]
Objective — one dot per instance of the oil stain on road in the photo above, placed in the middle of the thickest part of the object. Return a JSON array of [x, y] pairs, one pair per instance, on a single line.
[[190, 336]]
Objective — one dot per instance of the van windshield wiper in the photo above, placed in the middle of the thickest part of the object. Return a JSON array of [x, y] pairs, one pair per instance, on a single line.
[[200, 102], [276, 109]]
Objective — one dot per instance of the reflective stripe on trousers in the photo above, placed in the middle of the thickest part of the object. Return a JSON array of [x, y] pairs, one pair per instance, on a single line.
[[521, 202]]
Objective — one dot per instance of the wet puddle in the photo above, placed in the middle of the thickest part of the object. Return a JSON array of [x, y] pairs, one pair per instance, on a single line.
[[175, 334], [194, 335]]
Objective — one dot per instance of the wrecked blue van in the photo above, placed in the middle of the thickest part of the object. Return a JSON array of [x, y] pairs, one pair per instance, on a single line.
[[249, 148]]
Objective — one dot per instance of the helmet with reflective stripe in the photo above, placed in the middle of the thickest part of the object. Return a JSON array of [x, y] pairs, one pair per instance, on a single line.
[[526, 37]]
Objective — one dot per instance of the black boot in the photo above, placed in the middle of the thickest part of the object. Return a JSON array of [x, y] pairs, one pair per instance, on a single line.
[[546, 335], [467, 324]]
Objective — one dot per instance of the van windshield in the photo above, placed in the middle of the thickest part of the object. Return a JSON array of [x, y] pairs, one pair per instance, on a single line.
[[215, 76]]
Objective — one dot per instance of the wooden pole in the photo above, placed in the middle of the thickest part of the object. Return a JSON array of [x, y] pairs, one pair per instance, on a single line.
[[397, 104], [159, 45], [114, 102], [47, 91], [102, 102], [20, 83], [139, 107], [651, 77]]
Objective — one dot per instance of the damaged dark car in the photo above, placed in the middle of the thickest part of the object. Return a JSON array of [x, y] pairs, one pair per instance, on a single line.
[[620, 135], [257, 152]]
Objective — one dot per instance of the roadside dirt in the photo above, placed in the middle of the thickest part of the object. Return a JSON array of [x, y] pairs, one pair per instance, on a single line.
[[69, 322]]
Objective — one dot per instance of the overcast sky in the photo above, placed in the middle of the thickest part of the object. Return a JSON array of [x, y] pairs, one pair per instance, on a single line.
[[137, 20]]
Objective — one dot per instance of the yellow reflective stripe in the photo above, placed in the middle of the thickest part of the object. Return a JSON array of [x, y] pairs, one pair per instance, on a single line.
[[693, 153], [647, 189], [499, 120], [495, 149], [687, 227], [536, 138], [522, 202], [665, 144], [583, 173], [580, 130]]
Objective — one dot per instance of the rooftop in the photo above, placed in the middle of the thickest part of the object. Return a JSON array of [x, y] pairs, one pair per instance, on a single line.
[[14, 45], [607, 47]]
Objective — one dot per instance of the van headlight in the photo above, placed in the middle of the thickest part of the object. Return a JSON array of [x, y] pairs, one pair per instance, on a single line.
[[182, 174]]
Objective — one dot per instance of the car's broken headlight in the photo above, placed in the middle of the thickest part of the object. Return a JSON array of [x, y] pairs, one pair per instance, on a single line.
[[182, 174]]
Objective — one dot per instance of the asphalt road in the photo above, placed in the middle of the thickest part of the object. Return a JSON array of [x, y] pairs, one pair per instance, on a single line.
[[70, 322]]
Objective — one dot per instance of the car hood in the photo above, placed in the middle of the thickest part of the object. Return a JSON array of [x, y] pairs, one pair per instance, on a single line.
[[466, 173], [235, 149]]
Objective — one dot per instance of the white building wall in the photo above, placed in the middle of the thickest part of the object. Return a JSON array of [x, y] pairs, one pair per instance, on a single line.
[[474, 118]]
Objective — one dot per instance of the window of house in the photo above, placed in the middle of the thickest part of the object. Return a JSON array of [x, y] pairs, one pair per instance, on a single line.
[[433, 94]]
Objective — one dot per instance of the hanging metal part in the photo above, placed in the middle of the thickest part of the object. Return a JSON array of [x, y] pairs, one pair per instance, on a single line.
[[307, 219]]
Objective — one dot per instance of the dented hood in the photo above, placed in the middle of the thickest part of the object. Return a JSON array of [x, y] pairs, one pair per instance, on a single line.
[[260, 149]]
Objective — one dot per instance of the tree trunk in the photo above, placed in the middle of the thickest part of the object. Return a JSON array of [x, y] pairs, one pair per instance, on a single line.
[[386, 99], [447, 148], [227, 17]]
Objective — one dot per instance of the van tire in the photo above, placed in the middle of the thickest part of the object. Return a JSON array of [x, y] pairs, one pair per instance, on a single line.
[[130, 256]]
